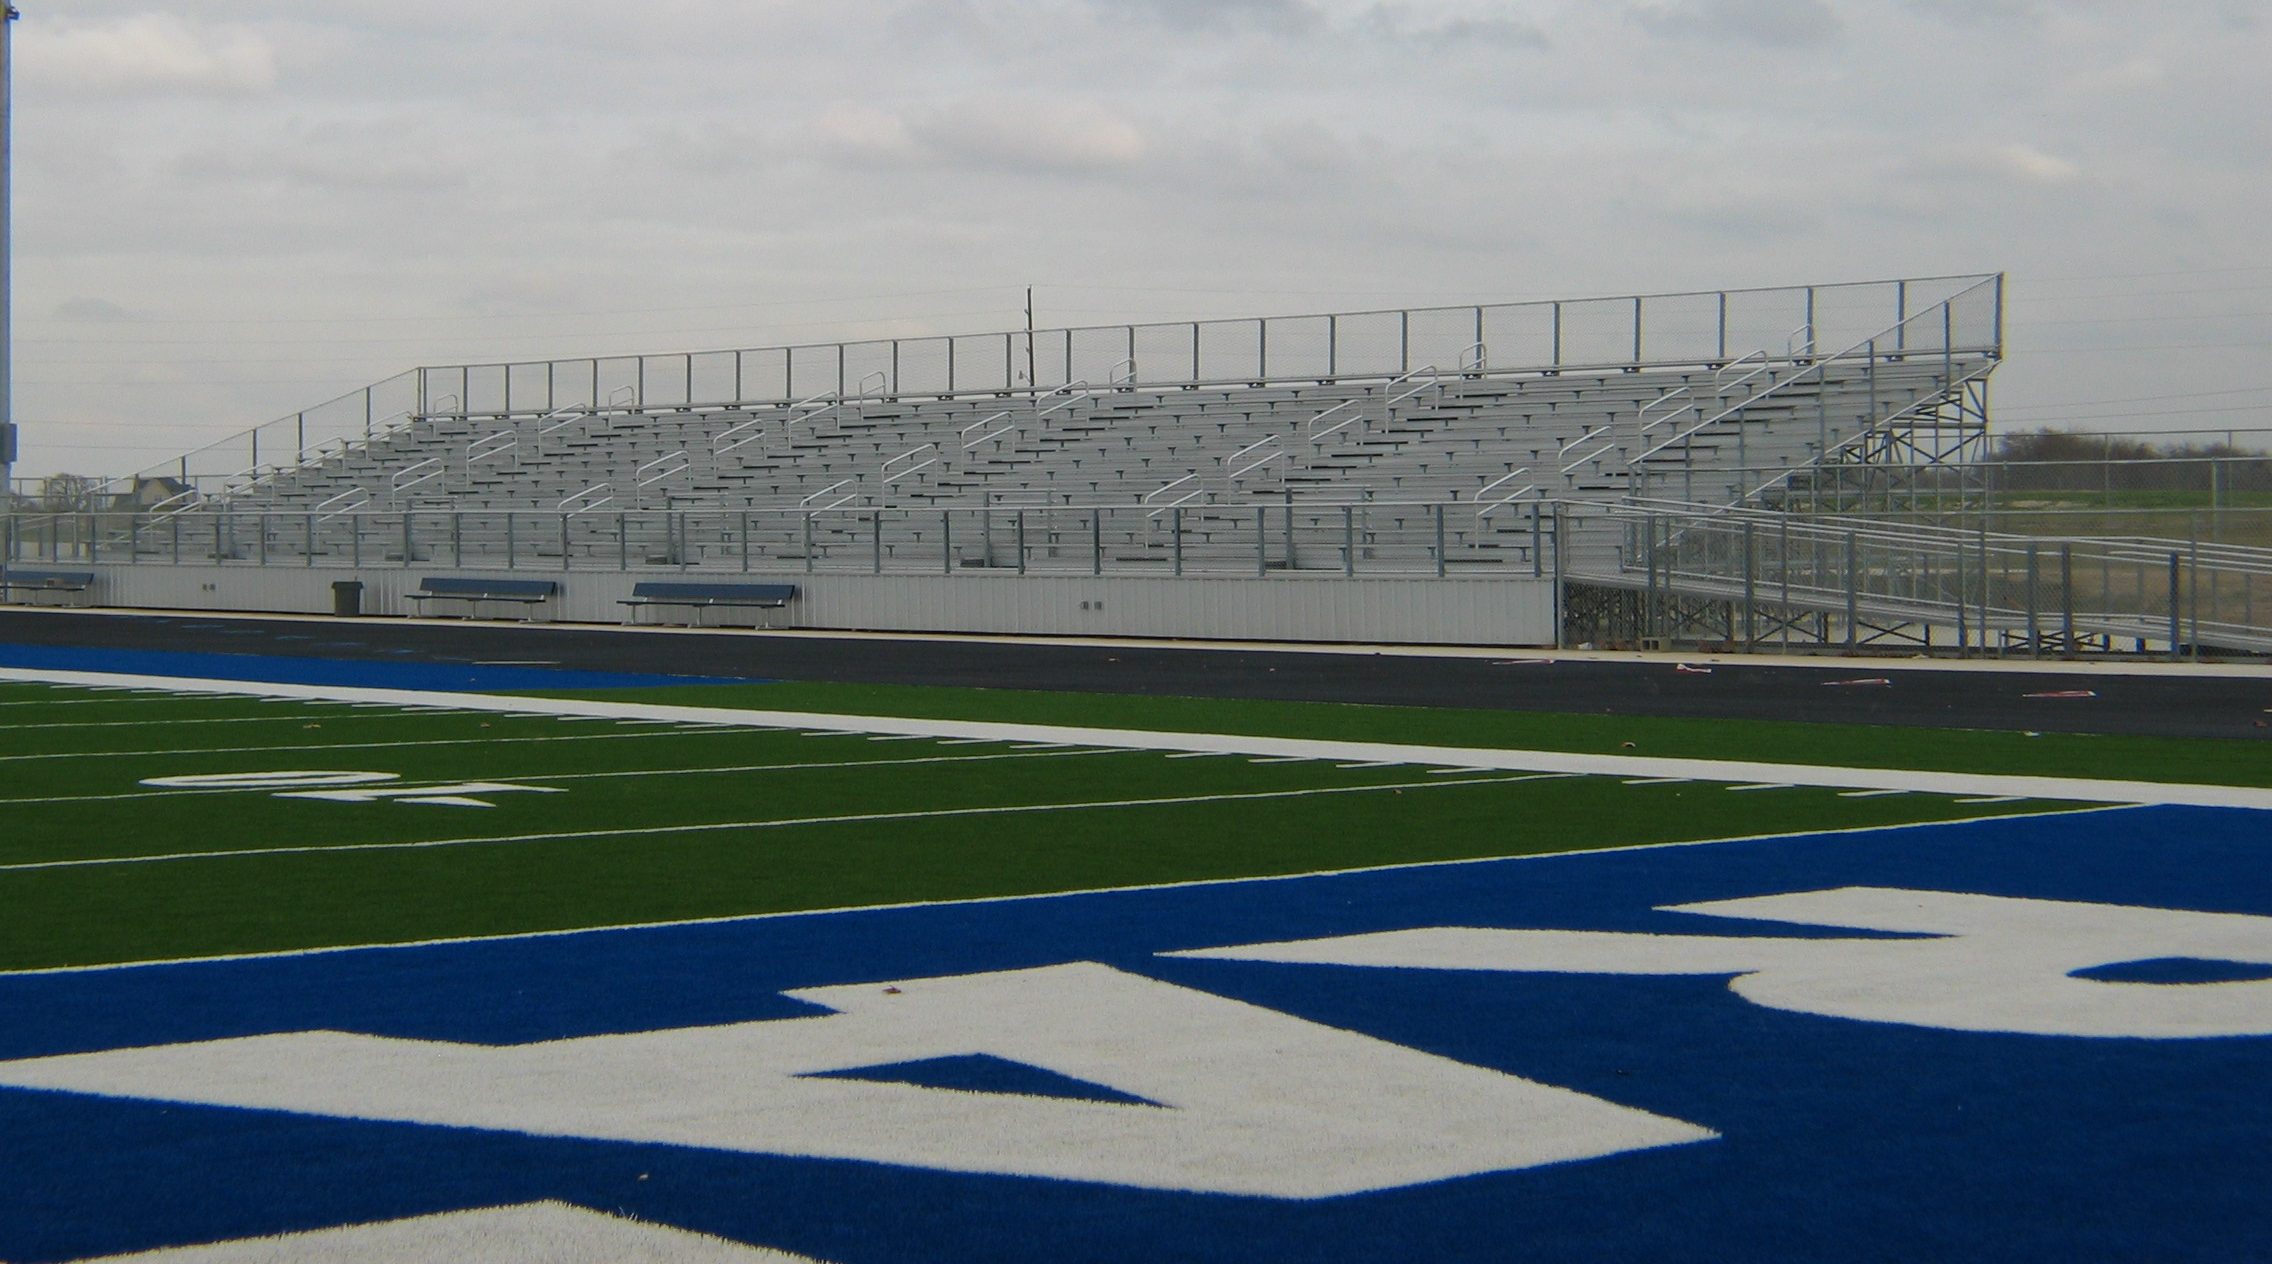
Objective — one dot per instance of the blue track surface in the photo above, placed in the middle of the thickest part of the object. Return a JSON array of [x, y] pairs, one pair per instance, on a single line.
[[403, 673], [1838, 1139]]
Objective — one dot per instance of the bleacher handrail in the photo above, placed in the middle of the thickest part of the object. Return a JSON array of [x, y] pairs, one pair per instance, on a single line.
[[353, 500], [491, 446], [1006, 427], [586, 500], [1818, 366], [413, 475], [1487, 507]]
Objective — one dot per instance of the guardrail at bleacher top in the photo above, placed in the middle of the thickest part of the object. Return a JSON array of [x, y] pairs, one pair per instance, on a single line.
[[1708, 327]]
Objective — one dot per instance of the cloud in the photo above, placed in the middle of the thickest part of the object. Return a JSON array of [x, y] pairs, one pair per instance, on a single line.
[[1769, 23], [150, 53], [1275, 15], [999, 133], [2012, 164], [100, 311], [1406, 22], [2032, 165]]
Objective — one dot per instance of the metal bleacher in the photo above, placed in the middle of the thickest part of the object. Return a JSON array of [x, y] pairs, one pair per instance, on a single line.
[[1444, 464]]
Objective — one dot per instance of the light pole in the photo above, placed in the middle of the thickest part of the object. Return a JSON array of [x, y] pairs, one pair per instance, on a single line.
[[7, 272]]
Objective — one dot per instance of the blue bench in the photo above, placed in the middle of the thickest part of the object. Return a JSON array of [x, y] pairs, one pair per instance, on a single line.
[[701, 597], [20, 584], [473, 590]]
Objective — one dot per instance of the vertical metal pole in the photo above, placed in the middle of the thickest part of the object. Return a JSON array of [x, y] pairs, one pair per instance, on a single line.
[[564, 562], [2193, 587], [1901, 316], [1559, 638], [1261, 541], [1853, 599], [1783, 573], [1636, 329], [1287, 530], [512, 546], [1333, 346], [1999, 334], [1440, 559], [2067, 599], [946, 542], [1649, 562], [1348, 541], [1750, 587], [2034, 627], [1537, 544], [876, 521], [1021, 542], [310, 536], [623, 542], [1723, 342], [457, 539], [1557, 361], [2176, 560], [1404, 341], [1963, 600], [742, 530], [1096, 541], [808, 543], [1175, 536]]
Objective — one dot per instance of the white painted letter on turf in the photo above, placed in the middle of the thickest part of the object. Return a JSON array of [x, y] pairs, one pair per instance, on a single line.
[[1992, 963], [1248, 1100]]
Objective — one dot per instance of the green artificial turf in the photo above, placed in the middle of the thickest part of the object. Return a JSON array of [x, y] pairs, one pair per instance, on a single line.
[[637, 851], [2203, 761]]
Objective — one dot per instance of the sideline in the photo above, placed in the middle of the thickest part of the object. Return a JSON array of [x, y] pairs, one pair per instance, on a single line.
[[2078, 790]]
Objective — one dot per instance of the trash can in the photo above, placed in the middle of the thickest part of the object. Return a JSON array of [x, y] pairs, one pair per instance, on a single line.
[[347, 597]]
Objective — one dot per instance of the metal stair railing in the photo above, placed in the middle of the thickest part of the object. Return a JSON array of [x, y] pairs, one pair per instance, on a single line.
[[1487, 507], [586, 500], [1879, 426], [1008, 424], [1817, 368], [2045, 587]]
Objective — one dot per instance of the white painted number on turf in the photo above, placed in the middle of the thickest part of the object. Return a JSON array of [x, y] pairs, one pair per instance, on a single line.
[[350, 787], [1985, 963]]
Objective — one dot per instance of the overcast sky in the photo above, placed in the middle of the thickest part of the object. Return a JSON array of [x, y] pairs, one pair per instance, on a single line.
[[230, 210]]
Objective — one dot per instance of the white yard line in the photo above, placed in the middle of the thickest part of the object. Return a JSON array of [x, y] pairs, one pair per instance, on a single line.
[[1185, 884], [108, 702], [209, 791], [1012, 809], [298, 747], [296, 717], [2072, 789]]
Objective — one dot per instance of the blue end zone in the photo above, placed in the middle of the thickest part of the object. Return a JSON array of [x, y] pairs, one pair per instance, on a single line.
[[1838, 1139], [353, 672]]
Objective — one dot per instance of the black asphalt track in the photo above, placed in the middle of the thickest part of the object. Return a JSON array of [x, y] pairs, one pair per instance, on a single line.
[[1839, 691]]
